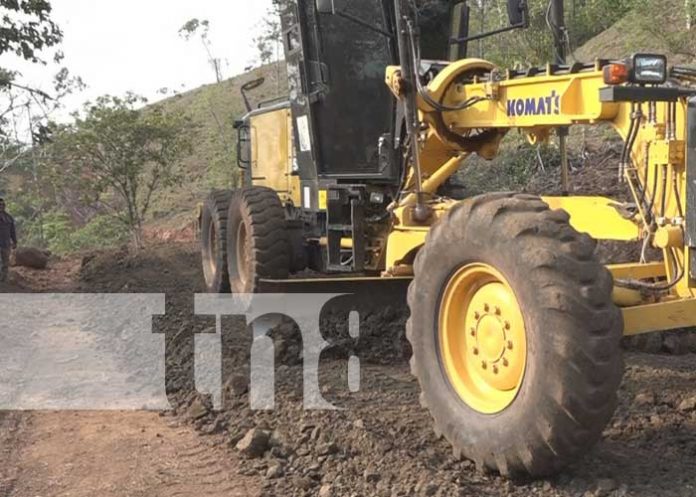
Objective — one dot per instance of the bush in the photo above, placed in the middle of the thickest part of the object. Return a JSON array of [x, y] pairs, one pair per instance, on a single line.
[[56, 232], [55, 229], [101, 232]]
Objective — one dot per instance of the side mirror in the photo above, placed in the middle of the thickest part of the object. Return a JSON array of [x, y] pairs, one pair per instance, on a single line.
[[459, 30], [253, 84], [247, 87], [518, 13], [326, 6]]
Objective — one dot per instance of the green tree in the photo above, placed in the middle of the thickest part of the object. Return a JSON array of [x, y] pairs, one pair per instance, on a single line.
[[118, 155], [27, 31], [28, 34], [26, 28], [584, 20]]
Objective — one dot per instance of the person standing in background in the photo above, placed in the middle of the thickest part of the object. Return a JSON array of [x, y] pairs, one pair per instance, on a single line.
[[8, 240]]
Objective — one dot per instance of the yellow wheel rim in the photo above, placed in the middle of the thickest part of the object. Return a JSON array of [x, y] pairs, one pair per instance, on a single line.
[[482, 338]]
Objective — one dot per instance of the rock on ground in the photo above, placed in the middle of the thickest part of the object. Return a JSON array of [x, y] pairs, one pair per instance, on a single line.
[[31, 257], [255, 443]]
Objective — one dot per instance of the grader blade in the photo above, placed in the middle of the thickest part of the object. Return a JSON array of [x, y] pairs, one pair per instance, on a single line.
[[396, 288]]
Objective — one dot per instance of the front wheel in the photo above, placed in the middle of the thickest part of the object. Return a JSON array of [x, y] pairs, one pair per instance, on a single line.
[[515, 336]]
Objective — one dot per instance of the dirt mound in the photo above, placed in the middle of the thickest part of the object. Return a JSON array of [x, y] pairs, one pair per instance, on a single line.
[[596, 174], [159, 268], [380, 441]]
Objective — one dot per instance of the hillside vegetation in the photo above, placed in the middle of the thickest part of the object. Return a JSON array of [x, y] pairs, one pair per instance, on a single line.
[[653, 26], [632, 26], [212, 164]]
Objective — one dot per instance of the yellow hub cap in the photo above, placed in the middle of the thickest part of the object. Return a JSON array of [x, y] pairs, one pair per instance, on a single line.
[[483, 342]]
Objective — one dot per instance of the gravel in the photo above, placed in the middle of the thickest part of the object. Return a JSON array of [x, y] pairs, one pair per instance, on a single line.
[[380, 441]]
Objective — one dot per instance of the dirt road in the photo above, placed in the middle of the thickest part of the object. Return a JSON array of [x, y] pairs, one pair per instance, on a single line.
[[380, 444], [112, 454], [115, 454]]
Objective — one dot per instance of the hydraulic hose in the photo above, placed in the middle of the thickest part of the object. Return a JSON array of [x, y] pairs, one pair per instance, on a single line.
[[423, 91], [655, 287]]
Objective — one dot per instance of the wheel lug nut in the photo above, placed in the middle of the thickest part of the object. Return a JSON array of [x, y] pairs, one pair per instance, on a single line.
[[505, 363], [509, 345], [477, 315], [495, 369], [484, 365], [498, 311], [507, 325], [487, 308], [473, 332], [476, 351]]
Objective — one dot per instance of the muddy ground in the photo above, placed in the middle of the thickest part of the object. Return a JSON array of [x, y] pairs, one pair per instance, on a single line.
[[379, 443]]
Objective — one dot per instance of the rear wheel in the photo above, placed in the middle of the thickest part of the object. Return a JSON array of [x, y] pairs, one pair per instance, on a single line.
[[214, 241], [257, 238], [516, 339]]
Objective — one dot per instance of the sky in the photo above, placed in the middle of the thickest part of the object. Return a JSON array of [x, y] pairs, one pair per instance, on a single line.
[[117, 46]]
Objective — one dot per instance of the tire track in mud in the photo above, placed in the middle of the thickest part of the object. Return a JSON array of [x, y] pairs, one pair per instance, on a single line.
[[116, 454], [201, 469], [9, 427]]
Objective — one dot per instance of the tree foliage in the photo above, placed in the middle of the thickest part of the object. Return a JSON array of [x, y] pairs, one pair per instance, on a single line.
[[118, 155], [584, 20], [269, 40], [28, 34], [26, 28]]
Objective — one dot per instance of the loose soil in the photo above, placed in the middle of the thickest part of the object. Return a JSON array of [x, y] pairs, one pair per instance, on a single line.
[[380, 443], [113, 454]]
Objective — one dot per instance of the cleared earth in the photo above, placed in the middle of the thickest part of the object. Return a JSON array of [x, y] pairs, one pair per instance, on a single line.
[[379, 443]]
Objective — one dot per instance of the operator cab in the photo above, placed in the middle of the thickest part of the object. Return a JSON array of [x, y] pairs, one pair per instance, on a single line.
[[345, 161]]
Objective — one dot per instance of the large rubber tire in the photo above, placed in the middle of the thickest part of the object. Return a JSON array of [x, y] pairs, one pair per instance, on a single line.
[[214, 241], [574, 366], [257, 238]]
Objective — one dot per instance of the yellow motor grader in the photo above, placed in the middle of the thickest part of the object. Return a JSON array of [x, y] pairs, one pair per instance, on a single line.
[[515, 324]]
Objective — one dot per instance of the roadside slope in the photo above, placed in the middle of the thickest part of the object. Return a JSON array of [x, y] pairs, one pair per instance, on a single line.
[[657, 26]]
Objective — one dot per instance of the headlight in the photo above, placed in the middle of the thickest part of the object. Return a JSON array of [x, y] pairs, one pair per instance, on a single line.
[[648, 69]]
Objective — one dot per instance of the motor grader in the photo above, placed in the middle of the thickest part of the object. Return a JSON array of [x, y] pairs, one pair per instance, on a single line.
[[515, 324]]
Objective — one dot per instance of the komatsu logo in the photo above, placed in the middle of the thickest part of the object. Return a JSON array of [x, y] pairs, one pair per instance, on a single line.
[[535, 106]]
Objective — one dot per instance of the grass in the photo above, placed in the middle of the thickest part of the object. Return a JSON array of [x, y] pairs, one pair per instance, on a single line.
[[654, 26], [212, 164]]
